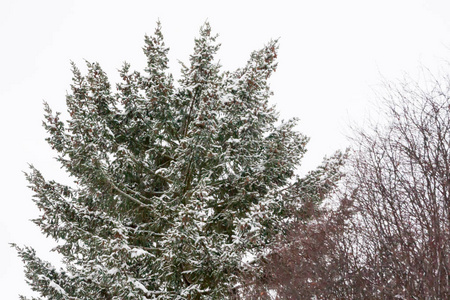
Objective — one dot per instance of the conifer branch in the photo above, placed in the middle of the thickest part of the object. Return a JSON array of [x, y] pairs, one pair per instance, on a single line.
[[115, 187]]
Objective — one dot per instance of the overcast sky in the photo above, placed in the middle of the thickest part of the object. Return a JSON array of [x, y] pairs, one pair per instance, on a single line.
[[332, 55]]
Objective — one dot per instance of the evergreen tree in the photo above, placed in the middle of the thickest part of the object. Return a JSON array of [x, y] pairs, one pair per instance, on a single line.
[[175, 184]]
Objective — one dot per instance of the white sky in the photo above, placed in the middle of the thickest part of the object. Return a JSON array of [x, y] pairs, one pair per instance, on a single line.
[[332, 55]]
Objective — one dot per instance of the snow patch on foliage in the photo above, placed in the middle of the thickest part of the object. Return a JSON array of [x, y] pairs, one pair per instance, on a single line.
[[55, 286]]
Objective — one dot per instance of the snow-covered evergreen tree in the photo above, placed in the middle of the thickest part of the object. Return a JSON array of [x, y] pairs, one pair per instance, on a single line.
[[175, 183]]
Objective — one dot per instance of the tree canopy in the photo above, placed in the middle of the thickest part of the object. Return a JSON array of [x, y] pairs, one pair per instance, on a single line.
[[390, 236], [176, 184]]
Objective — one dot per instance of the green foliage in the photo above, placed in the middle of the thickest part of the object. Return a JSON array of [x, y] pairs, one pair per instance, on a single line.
[[174, 185]]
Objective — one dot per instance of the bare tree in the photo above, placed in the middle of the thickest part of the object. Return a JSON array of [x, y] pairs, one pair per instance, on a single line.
[[401, 181], [390, 236]]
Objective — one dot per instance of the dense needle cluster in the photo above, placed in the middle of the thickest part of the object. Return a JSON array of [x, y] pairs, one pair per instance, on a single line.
[[176, 185]]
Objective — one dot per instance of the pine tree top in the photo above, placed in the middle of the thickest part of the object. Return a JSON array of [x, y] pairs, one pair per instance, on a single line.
[[174, 186]]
